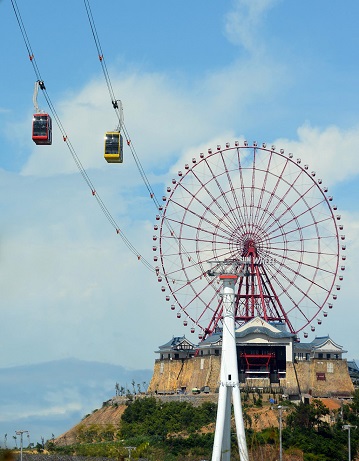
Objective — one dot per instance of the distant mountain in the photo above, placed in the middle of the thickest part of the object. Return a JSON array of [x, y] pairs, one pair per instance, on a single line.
[[49, 398]]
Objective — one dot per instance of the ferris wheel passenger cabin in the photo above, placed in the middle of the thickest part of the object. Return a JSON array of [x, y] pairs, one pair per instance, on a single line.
[[42, 129], [113, 147]]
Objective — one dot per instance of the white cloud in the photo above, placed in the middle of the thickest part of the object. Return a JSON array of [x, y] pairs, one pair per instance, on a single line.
[[331, 151], [243, 21], [9, 415]]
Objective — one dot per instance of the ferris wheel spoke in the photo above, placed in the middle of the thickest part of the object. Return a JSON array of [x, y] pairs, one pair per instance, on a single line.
[[295, 285], [286, 292], [216, 218], [295, 230], [308, 265], [273, 192], [252, 188], [229, 212], [259, 208], [191, 261], [290, 188], [274, 299], [288, 208], [238, 209], [307, 279], [195, 213], [208, 232], [242, 188], [192, 301], [237, 218], [215, 311]]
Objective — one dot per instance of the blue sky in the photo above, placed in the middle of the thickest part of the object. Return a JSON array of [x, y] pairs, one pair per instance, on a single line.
[[51, 397], [191, 75]]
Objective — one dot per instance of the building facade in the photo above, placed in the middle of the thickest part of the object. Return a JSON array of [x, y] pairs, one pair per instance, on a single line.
[[268, 356]]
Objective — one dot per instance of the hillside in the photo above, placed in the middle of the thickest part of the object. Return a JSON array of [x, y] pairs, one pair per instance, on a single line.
[[103, 417], [110, 414]]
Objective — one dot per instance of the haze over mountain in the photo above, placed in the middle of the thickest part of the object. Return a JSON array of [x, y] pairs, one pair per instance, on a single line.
[[49, 398]]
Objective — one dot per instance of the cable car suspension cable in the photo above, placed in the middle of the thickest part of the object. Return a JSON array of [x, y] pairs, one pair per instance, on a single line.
[[122, 124], [114, 102], [40, 84]]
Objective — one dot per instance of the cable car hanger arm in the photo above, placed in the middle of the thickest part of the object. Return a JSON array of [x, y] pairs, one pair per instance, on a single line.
[[38, 84]]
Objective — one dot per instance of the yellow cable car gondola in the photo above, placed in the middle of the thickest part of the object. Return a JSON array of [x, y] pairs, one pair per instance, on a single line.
[[113, 147]]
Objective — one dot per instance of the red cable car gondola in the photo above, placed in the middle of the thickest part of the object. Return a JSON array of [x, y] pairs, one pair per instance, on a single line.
[[41, 122], [42, 129]]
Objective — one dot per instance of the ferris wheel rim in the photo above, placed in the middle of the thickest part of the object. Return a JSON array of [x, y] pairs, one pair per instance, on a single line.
[[189, 249]]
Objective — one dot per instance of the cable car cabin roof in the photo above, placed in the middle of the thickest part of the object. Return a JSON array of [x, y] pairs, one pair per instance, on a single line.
[[113, 147], [42, 129]]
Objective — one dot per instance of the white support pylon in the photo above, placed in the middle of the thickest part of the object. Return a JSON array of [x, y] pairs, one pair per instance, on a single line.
[[229, 382]]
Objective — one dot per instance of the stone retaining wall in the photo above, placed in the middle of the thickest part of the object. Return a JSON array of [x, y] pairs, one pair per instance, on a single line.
[[320, 378]]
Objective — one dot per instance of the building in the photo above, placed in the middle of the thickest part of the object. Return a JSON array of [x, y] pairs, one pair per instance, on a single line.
[[353, 372], [269, 357]]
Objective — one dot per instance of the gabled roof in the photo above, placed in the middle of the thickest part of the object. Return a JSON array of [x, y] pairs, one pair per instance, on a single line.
[[264, 331], [213, 339], [259, 326], [320, 340], [320, 343], [326, 343], [176, 342], [255, 326]]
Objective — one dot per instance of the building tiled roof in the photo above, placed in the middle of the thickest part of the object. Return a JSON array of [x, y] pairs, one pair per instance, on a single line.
[[265, 331], [318, 340], [174, 342], [213, 338], [302, 346], [283, 333], [316, 344], [279, 326]]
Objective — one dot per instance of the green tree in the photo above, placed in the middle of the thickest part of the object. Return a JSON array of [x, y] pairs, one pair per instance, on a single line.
[[308, 416]]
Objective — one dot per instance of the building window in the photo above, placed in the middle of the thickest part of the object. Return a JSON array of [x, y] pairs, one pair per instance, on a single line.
[[216, 352], [321, 377], [328, 356], [320, 355]]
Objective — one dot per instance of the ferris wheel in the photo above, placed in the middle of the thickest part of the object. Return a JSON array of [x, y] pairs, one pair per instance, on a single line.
[[263, 209]]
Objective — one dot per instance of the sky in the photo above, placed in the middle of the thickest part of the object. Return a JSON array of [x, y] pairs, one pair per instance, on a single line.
[[190, 75], [52, 397]]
